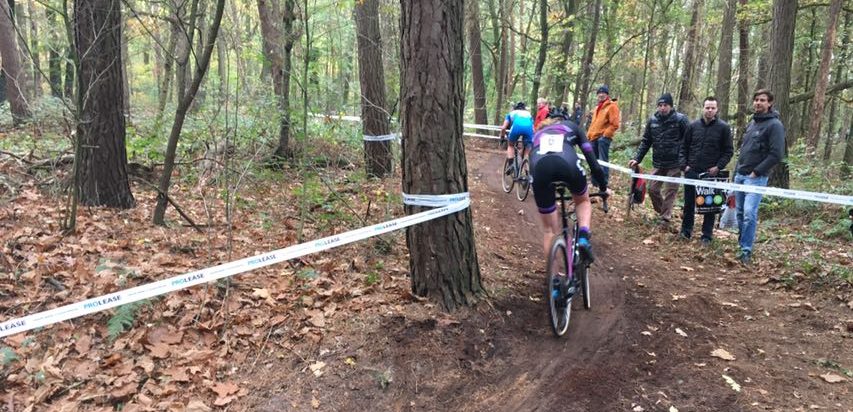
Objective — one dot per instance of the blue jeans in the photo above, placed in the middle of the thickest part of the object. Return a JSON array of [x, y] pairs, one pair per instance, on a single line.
[[601, 148], [747, 210]]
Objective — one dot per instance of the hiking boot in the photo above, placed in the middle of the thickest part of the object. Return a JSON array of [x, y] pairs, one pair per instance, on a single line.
[[745, 258], [585, 251]]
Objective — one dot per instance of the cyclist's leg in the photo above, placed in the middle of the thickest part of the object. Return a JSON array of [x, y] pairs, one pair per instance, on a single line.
[[510, 148], [576, 178], [546, 201], [528, 143]]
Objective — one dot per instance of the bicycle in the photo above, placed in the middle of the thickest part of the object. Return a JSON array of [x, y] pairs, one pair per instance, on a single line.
[[565, 276], [520, 173]]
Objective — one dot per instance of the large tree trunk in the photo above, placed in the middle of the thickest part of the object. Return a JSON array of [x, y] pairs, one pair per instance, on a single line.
[[818, 103], [582, 86], [779, 79], [685, 95], [180, 116], [724, 67], [12, 65], [476, 55], [371, 76], [102, 171], [277, 45], [543, 49], [743, 94], [442, 253]]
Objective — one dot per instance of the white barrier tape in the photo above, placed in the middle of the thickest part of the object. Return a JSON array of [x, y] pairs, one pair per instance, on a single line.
[[481, 126], [382, 138], [764, 190], [485, 136], [160, 287], [435, 200], [336, 117]]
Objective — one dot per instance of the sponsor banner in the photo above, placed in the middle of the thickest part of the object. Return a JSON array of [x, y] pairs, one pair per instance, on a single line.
[[451, 204]]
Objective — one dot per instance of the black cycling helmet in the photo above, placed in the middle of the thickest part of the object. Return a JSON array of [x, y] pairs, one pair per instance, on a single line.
[[558, 113], [520, 106]]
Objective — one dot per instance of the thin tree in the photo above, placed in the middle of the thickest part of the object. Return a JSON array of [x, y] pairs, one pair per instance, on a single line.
[[278, 40], [839, 67], [14, 76], [472, 23], [371, 75], [724, 68], [561, 75], [685, 95], [779, 78], [543, 49], [743, 73], [180, 116], [582, 85], [818, 103], [101, 173], [442, 253]]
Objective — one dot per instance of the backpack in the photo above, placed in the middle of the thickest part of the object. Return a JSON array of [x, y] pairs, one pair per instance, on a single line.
[[638, 188]]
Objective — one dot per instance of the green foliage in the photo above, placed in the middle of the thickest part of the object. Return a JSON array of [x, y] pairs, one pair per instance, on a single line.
[[124, 318], [7, 356], [371, 278]]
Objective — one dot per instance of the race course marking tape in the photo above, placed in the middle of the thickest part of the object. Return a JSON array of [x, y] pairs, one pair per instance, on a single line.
[[764, 190], [434, 200], [381, 138], [17, 325]]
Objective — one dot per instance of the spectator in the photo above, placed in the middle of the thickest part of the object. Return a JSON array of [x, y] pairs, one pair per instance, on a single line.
[[762, 148], [707, 148], [664, 134], [605, 122], [542, 110], [577, 114]]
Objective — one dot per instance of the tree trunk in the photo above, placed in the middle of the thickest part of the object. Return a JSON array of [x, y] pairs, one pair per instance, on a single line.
[[685, 95], [180, 116], [102, 173], [371, 76], [442, 252], [743, 94], [724, 67], [763, 55], [818, 103], [12, 65], [847, 161], [799, 123], [561, 80], [779, 79], [503, 62], [476, 55], [582, 86], [839, 67], [543, 49], [54, 61], [125, 62], [35, 50], [650, 32], [168, 69]]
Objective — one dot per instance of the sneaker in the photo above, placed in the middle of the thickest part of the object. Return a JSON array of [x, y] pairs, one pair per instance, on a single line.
[[585, 250]]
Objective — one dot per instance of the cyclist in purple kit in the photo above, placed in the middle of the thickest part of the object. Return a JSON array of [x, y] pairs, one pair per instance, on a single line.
[[520, 124], [553, 159]]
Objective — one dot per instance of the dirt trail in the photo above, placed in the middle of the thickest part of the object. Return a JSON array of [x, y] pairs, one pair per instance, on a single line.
[[657, 315]]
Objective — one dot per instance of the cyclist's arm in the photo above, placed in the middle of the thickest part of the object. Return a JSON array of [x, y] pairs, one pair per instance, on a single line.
[[506, 125], [591, 160]]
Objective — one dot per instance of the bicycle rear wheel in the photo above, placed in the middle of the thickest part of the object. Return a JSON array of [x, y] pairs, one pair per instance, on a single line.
[[559, 308], [523, 188], [508, 180], [583, 275]]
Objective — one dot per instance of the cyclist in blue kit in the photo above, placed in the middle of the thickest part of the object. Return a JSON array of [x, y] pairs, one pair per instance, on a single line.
[[553, 159], [520, 124]]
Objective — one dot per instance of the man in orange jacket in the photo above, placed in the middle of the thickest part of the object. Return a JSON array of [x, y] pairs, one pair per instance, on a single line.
[[605, 122]]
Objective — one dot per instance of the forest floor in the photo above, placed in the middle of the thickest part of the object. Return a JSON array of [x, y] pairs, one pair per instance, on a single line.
[[674, 326]]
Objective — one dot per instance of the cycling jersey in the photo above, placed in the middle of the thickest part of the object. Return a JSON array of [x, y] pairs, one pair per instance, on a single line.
[[521, 125], [553, 159]]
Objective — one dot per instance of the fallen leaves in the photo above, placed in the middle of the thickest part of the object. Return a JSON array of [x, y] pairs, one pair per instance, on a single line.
[[225, 392], [680, 332], [723, 354], [732, 383], [317, 368], [833, 378]]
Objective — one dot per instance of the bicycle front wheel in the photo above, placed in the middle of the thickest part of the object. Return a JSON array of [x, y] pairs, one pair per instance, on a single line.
[[523, 188], [508, 177], [559, 308]]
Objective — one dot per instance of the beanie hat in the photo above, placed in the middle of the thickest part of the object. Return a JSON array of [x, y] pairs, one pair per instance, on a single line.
[[603, 89], [665, 98]]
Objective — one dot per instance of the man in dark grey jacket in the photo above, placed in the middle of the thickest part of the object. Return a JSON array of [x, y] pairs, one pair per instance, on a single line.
[[664, 135], [707, 148], [763, 148]]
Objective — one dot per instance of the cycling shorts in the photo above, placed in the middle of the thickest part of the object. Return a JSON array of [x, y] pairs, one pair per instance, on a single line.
[[525, 132], [550, 168]]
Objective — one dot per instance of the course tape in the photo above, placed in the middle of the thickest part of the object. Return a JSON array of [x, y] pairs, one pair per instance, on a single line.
[[435, 200], [382, 138], [764, 190], [160, 287], [481, 126]]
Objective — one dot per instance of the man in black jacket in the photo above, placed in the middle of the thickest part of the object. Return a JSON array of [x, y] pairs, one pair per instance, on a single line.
[[664, 135], [707, 148], [763, 147]]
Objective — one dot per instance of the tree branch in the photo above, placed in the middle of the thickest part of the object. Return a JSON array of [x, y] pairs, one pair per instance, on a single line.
[[838, 87]]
